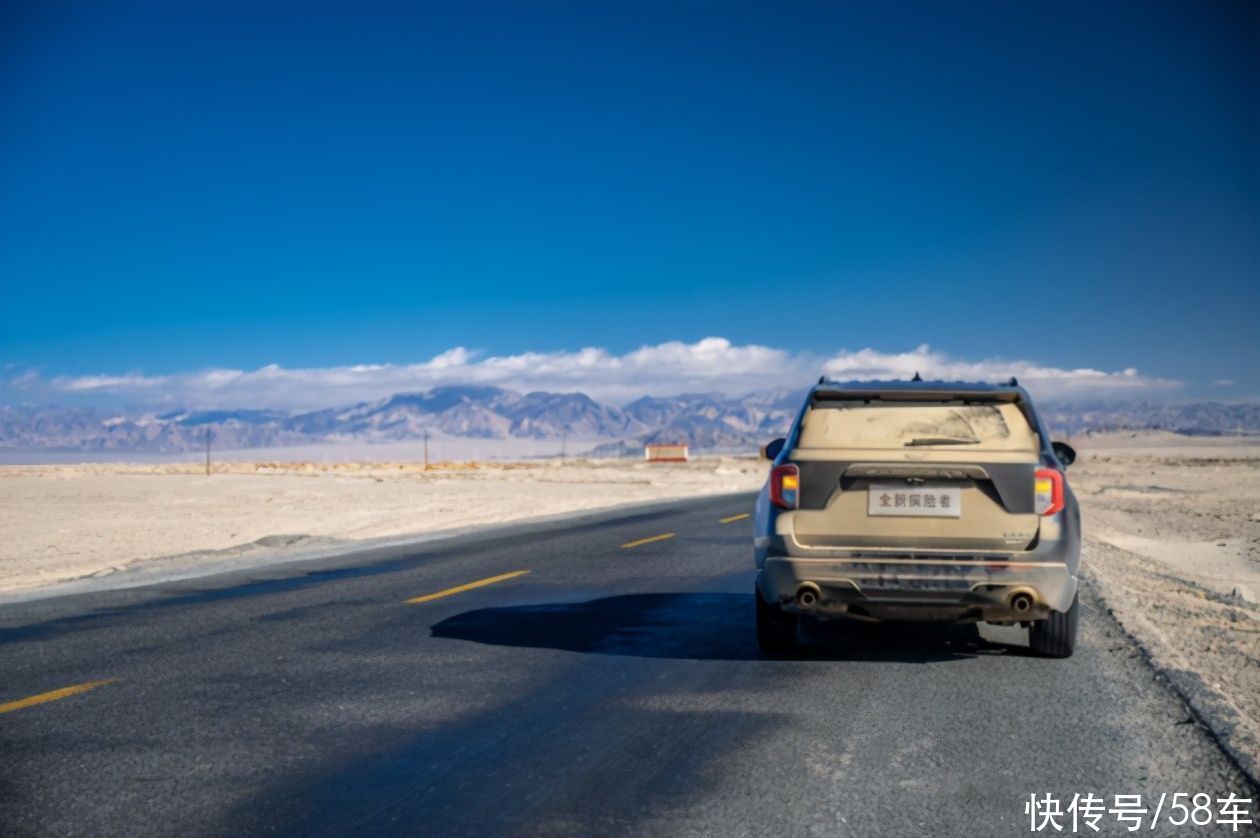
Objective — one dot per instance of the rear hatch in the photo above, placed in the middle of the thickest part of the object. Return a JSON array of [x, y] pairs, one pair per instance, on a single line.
[[901, 474]]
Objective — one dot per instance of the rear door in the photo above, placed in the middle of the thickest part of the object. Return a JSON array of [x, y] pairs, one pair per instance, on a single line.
[[937, 475]]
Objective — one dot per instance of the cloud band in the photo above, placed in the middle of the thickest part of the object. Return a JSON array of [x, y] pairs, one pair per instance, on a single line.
[[713, 364]]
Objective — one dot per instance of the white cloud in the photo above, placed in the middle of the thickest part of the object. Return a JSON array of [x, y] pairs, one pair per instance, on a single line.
[[117, 383], [1223, 382], [1037, 378], [709, 365]]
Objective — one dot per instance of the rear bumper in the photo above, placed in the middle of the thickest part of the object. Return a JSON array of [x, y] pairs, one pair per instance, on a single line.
[[891, 587]]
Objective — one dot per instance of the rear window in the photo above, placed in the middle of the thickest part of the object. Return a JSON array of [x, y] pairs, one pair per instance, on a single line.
[[992, 427]]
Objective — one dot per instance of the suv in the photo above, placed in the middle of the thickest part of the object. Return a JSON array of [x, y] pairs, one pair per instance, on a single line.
[[918, 501]]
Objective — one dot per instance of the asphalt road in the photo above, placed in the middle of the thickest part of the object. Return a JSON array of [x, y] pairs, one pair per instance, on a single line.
[[610, 689]]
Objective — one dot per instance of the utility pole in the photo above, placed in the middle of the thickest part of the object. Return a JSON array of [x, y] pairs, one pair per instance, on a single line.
[[426, 450], [208, 434]]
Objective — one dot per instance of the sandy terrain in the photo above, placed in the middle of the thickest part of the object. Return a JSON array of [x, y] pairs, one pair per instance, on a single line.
[[65, 522], [1172, 542]]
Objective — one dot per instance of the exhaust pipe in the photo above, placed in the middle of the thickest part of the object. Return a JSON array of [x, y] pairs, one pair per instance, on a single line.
[[1021, 602], [807, 595]]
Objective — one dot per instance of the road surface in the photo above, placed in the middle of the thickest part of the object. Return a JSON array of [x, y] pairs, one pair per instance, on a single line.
[[614, 687]]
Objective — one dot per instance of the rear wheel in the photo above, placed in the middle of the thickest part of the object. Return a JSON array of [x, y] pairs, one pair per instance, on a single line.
[[1055, 636], [776, 629]]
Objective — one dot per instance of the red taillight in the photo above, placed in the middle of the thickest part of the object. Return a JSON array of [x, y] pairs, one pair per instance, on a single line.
[[1048, 491], [785, 486]]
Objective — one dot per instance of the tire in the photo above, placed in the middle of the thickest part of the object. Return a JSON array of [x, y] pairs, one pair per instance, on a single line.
[[776, 629], [1055, 636]]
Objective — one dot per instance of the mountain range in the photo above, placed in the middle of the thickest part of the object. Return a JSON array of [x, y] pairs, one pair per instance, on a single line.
[[703, 421]]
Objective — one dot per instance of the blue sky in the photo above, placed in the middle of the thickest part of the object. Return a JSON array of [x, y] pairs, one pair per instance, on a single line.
[[198, 186]]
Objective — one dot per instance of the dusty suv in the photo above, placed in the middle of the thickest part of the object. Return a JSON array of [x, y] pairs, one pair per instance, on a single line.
[[918, 500]]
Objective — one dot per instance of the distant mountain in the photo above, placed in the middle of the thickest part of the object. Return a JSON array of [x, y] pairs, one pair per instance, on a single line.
[[549, 415], [460, 411], [702, 421], [707, 421], [1196, 418], [83, 430], [487, 412]]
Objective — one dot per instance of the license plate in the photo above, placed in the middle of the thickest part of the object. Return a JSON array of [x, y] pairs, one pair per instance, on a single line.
[[913, 501]]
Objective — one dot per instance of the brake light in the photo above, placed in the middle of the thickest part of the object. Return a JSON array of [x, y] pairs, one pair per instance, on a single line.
[[1048, 491], [785, 486]]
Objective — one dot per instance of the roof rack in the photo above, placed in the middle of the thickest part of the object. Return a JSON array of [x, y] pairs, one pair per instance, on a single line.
[[917, 379]]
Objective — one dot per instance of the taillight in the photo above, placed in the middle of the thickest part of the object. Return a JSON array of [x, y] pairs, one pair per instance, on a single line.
[[1048, 491], [785, 486]]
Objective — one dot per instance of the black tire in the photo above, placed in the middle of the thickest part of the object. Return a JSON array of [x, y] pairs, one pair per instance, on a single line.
[[776, 629], [1055, 636]]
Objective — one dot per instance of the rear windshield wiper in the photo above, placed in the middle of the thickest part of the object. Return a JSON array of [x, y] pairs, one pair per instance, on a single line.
[[941, 440]]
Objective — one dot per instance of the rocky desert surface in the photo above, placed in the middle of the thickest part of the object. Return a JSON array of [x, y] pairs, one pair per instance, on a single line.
[[1172, 543]]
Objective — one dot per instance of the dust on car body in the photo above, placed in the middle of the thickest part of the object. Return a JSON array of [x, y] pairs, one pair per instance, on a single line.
[[918, 501]]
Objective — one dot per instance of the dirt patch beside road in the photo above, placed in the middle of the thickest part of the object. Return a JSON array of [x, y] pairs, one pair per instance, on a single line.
[[1172, 542]]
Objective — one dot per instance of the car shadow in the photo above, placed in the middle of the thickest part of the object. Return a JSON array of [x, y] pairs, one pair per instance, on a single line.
[[702, 626]]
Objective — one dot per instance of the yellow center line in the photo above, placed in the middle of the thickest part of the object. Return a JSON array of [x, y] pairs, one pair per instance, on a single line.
[[459, 589], [43, 698], [741, 516], [660, 537]]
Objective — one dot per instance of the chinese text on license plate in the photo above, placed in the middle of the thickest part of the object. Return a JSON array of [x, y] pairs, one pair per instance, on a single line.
[[904, 499]]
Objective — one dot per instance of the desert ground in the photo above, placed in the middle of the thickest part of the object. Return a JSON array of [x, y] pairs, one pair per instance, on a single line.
[[67, 522], [1172, 530], [1172, 543]]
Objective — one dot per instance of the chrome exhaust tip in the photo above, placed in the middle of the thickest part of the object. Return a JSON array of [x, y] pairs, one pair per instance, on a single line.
[[807, 595], [1022, 602]]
